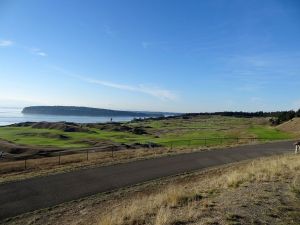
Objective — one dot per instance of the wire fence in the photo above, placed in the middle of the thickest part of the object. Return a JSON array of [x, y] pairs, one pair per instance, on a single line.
[[215, 141], [108, 155]]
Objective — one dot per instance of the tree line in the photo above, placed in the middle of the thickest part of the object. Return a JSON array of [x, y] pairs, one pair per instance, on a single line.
[[277, 117], [284, 116]]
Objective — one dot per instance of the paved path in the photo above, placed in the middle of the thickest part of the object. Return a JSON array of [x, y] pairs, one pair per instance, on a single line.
[[36, 193]]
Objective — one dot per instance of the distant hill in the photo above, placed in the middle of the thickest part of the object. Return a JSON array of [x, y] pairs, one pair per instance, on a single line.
[[86, 111]]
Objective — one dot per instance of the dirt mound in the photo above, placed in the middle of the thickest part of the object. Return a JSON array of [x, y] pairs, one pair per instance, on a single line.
[[63, 126], [104, 126], [139, 130], [95, 143], [23, 124], [120, 128], [292, 125], [46, 135], [14, 150]]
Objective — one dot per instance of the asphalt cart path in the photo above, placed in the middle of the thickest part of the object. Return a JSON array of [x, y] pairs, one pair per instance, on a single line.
[[42, 192]]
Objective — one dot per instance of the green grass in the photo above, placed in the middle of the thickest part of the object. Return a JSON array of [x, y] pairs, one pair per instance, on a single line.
[[37, 137], [176, 132], [46, 137], [267, 132]]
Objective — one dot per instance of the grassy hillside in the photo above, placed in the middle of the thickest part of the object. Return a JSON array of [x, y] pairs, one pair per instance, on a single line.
[[178, 132], [291, 126]]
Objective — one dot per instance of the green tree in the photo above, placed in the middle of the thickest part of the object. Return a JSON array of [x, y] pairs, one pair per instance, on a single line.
[[298, 113]]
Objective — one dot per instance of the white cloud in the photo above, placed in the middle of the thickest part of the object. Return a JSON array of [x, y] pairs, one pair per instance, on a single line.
[[6, 43], [38, 51], [157, 92], [41, 53], [153, 91]]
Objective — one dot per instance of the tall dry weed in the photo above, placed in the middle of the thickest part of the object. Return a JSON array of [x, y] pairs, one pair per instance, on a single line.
[[159, 206]]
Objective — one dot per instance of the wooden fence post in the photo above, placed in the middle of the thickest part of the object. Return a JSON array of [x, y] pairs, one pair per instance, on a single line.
[[87, 155], [58, 158], [25, 164]]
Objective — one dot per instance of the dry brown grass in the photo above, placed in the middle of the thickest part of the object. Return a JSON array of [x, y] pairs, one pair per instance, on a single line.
[[163, 216], [155, 208], [263, 170], [292, 126], [295, 186], [159, 208]]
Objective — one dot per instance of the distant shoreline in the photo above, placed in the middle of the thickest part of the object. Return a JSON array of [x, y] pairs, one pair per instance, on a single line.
[[9, 116], [86, 111]]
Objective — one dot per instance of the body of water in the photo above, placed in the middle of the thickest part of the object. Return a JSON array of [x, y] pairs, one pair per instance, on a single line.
[[9, 115]]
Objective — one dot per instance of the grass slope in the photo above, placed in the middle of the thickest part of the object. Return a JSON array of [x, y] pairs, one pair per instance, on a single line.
[[292, 126], [269, 132]]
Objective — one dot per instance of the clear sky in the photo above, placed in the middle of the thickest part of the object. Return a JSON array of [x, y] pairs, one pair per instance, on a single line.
[[161, 55]]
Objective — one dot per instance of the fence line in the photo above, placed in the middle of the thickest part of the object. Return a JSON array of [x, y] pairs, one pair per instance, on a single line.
[[220, 139], [171, 144]]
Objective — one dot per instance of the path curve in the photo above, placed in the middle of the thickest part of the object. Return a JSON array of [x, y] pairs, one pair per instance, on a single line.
[[41, 192]]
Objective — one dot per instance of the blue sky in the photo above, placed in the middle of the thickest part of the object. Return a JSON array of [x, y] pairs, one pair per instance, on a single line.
[[170, 55]]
